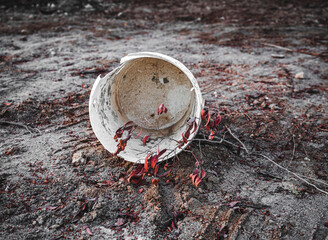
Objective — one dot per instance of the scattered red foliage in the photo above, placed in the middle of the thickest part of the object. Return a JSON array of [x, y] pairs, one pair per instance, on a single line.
[[137, 175], [213, 119]]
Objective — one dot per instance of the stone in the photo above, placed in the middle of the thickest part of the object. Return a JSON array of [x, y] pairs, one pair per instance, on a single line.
[[40, 220], [79, 158]]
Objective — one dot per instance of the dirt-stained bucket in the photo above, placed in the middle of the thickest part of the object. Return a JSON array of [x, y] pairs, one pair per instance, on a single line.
[[133, 92]]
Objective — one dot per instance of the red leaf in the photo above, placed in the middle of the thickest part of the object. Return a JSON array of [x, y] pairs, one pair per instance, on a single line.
[[156, 169], [146, 162], [197, 181], [173, 226], [166, 173], [208, 128], [208, 119], [203, 173], [89, 232], [137, 175], [203, 114], [118, 134], [193, 176], [136, 179], [84, 206], [155, 181], [121, 146], [139, 133], [140, 190], [119, 222], [128, 124], [165, 166], [187, 134], [162, 109], [196, 171], [211, 135], [7, 104], [195, 128], [145, 140], [119, 131], [161, 152], [217, 120], [153, 161]]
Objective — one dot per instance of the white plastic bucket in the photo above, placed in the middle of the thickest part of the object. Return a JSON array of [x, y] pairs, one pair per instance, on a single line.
[[133, 92]]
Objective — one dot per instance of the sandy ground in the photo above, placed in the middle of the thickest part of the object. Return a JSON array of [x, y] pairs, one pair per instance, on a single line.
[[51, 55]]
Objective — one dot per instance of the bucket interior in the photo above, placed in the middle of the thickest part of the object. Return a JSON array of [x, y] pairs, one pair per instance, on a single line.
[[142, 85]]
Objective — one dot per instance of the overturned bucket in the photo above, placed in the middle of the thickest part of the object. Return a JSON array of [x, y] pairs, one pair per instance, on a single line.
[[133, 92]]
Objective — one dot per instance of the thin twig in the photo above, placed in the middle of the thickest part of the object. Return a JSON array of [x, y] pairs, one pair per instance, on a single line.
[[71, 124], [292, 50], [17, 124], [211, 141], [299, 176], [79, 106], [296, 175], [82, 114], [237, 139], [63, 148], [189, 151], [200, 149], [316, 180]]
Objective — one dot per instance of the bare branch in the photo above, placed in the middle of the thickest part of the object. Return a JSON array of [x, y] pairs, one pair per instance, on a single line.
[[237, 139], [295, 174], [17, 124]]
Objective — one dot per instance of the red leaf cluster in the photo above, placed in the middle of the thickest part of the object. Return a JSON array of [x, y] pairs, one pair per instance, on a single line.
[[121, 146], [155, 181], [129, 127], [150, 161], [203, 114], [161, 109], [197, 176], [191, 128], [137, 175], [213, 119]]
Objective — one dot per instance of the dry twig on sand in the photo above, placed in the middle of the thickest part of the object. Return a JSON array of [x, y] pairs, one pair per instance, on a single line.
[[299, 176], [30, 130], [295, 174], [293, 50]]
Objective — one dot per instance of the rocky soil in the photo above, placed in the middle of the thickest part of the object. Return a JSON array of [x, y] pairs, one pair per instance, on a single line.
[[263, 65]]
